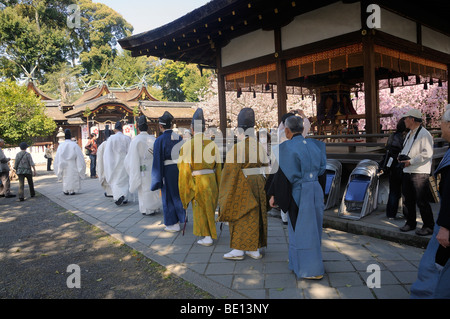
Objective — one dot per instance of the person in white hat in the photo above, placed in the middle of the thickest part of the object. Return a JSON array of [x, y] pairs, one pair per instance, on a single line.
[[416, 159]]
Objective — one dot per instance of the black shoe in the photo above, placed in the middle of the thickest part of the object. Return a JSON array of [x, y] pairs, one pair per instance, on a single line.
[[120, 201], [66, 193], [73, 193], [407, 228], [21, 199], [2, 195], [10, 195], [424, 231]]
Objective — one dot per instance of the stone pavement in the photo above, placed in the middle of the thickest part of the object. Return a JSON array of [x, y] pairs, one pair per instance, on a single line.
[[346, 255]]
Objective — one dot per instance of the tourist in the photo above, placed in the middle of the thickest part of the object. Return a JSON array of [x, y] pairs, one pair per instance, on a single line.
[[49, 156], [91, 146], [390, 165], [416, 159], [5, 185], [23, 165], [433, 278]]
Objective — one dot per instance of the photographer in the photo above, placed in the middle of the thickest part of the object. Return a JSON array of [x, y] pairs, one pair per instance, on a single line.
[[416, 158], [390, 165]]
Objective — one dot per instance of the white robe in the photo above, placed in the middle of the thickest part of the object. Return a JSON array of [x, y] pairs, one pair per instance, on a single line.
[[69, 166], [101, 169], [138, 164], [113, 163]]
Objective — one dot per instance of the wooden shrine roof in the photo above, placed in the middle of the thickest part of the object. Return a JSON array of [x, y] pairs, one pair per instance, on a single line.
[[195, 37]]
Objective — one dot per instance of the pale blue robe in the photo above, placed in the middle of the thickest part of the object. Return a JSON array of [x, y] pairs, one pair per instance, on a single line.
[[302, 161]]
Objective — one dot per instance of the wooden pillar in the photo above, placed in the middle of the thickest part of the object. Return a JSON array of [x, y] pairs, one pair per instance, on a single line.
[[281, 76], [221, 96], [448, 85], [370, 86]]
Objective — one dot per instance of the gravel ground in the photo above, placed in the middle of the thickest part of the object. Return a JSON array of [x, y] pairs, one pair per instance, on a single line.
[[39, 240]]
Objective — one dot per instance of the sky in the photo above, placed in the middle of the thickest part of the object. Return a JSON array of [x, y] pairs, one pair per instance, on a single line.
[[145, 15]]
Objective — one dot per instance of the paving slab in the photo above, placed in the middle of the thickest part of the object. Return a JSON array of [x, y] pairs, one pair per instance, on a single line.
[[349, 247]]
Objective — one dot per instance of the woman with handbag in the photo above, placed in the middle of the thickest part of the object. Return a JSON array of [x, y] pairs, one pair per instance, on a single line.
[[49, 156], [390, 165], [91, 151]]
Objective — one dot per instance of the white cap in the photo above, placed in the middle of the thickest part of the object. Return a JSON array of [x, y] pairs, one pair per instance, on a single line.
[[413, 113]]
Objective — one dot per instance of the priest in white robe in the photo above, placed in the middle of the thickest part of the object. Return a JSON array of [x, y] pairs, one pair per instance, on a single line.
[[69, 165], [138, 164], [113, 162], [100, 166]]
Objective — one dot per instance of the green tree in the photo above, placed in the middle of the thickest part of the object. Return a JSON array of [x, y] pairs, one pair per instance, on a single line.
[[25, 42], [100, 29], [35, 32], [194, 82], [124, 70], [22, 114], [61, 82], [179, 81]]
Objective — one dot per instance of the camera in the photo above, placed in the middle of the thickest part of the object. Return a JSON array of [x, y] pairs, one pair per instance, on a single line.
[[401, 158]]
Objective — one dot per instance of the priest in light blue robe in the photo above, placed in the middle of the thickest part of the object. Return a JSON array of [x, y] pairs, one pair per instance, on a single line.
[[296, 189], [165, 174]]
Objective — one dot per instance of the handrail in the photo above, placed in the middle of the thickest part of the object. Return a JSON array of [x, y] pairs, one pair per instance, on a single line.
[[348, 136]]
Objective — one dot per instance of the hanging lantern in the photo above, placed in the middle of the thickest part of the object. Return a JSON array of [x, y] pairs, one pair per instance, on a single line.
[[417, 79], [254, 94], [440, 83], [239, 92], [431, 81], [425, 85], [267, 87]]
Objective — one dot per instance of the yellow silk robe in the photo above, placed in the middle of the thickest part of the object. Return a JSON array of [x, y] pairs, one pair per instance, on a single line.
[[242, 200], [197, 154]]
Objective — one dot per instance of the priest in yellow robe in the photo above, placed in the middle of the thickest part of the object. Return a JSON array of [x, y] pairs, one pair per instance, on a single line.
[[242, 198], [200, 168]]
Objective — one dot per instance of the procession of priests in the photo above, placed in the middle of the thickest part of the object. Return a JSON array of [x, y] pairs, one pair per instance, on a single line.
[[168, 173]]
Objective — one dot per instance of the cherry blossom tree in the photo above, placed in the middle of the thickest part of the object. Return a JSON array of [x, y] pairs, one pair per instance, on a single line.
[[263, 103], [406, 95], [430, 101]]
